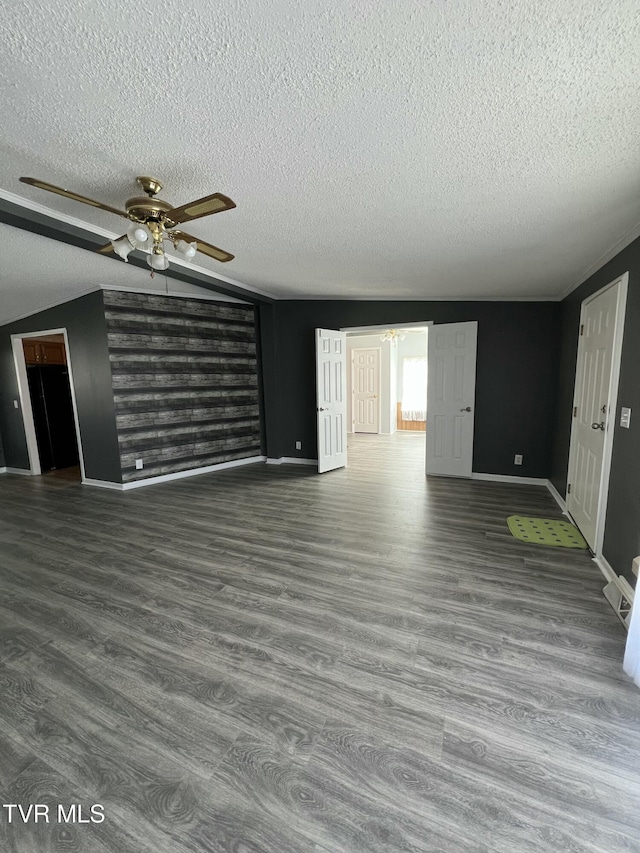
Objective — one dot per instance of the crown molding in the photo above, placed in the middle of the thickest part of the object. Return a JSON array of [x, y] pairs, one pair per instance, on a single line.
[[609, 255], [25, 211]]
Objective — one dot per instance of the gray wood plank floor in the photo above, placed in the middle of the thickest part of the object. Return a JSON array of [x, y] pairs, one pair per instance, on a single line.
[[269, 661]]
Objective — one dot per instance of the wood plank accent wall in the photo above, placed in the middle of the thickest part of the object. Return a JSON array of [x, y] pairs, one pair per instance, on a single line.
[[185, 382]]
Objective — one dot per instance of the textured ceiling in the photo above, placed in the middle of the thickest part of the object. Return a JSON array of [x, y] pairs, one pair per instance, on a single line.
[[36, 272], [374, 149]]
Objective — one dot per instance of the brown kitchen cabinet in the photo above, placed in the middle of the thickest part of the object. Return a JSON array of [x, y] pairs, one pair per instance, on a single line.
[[44, 352]]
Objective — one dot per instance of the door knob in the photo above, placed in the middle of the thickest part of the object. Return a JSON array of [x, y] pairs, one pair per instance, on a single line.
[[375, 396], [323, 410], [601, 426], [467, 409]]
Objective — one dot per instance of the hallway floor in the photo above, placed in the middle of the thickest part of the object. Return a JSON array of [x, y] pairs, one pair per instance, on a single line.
[[265, 660]]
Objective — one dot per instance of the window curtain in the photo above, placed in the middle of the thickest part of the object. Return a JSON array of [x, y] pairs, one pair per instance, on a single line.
[[414, 389], [632, 652]]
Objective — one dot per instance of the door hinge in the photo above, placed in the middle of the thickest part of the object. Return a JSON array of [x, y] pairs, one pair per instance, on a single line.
[[569, 489], [582, 329], [575, 411]]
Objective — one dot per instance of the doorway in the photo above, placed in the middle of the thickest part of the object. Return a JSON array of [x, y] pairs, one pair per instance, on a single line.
[[387, 379], [594, 409], [365, 390], [47, 397]]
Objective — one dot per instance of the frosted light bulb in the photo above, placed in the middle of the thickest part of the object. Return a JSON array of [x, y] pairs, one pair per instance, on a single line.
[[138, 235], [141, 235]]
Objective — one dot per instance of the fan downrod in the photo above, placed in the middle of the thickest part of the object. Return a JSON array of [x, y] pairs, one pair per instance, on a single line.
[[151, 186]]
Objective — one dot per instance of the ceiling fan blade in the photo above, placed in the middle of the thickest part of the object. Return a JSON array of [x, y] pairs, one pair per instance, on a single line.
[[43, 185], [104, 250], [205, 248], [215, 203]]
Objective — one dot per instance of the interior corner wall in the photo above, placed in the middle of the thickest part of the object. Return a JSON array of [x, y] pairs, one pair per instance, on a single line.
[[515, 385], [622, 526], [270, 380], [414, 345], [83, 318], [392, 402], [185, 382]]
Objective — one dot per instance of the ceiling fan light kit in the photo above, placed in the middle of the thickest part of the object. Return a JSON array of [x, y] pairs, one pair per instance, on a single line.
[[158, 262], [187, 250], [153, 221]]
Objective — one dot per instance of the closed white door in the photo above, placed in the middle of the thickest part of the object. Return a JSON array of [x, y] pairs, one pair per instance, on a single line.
[[451, 394], [591, 411], [331, 396], [365, 390]]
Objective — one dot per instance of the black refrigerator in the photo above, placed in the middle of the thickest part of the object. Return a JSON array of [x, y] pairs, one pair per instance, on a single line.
[[50, 393]]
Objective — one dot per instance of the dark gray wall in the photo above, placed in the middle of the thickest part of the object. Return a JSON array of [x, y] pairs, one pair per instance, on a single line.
[[185, 382], [516, 373], [622, 531], [1, 453], [84, 321]]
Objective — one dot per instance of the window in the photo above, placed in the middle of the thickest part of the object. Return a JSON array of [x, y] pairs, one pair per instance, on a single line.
[[414, 389]]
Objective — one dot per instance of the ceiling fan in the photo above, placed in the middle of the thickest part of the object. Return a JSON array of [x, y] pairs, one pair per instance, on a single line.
[[153, 221]]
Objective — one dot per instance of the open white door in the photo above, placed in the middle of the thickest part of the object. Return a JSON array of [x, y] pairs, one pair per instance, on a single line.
[[450, 398], [331, 395], [597, 370]]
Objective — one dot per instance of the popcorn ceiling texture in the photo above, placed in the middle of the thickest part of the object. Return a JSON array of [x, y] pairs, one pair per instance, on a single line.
[[374, 149]]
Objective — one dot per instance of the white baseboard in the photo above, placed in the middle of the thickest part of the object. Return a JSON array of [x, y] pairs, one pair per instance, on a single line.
[[25, 471], [176, 475], [3, 470], [555, 494], [510, 478], [102, 484], [606, 569], [291, 460]]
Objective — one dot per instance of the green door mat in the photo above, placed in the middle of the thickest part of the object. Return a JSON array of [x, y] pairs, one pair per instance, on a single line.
[[546, 531]]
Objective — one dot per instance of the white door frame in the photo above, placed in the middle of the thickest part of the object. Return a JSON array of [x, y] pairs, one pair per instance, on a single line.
[[622, 285], [25, 397], [352, 385]]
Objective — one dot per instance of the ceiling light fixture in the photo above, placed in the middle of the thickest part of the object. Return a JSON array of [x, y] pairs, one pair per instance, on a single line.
[[150, 238], [393, 335], [153, 221]]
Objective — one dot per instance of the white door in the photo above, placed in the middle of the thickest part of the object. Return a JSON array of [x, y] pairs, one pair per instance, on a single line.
[[591, 411], [331, 396], [365, 390], [451, 394]]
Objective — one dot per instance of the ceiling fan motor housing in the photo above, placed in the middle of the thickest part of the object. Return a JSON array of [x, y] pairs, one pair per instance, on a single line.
[[143, 208]]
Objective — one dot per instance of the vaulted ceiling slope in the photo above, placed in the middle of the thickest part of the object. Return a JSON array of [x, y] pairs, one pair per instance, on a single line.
[[49, 282], [374, 149]]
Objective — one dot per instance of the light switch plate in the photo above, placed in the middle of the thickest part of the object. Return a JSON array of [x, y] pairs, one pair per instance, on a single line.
[[625, 417], [635, 566]]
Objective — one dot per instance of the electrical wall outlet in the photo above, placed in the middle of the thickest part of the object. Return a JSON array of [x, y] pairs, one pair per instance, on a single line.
[[517, 459], [139, 464], [15, 404], [298, 445], [625, 417]]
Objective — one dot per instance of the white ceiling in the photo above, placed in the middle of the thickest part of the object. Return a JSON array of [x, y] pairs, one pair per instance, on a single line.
[[374, 149]]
